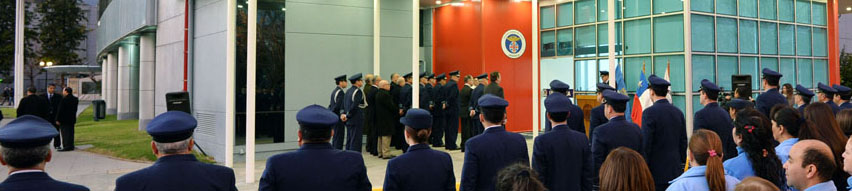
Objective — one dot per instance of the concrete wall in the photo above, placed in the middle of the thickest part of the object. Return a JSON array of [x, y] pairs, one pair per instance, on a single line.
[[207, 78], [845, 32], [395, 37]]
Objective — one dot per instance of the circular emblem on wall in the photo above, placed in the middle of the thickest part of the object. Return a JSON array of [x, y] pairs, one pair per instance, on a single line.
[[513, 43]]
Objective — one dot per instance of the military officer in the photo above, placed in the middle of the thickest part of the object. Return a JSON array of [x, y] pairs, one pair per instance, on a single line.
[[736, 105], [605, 77], [421, 168], [477, 93], [562, 156], [771, 96], [597, 117], [842, 96], [663, 135], [440, 100], [404, 105], [494, 87], [714, 118], [494, 149], [826, 95], [315, 165], [176, 167], [353, 113], [803, 98], [575, 118], [451, 111], [24, 144], [336, 106], [616, 132], [425, 100]]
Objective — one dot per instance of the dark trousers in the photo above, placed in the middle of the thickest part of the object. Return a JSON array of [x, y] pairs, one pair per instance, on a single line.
[[339, 134], [438, 131], [57, 141], [451, 130], [354, 137], [476, 125], [466, 131], [67, 133], [373, 141]]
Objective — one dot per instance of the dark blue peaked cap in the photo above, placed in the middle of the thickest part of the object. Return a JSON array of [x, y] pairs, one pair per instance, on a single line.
[[491, 101], [826, 89], [316, 117], [841, 89], [557, 103], [340, 78], [739, 104], [804, 91], [657, 81], [172, 126], [417, 118], [771, 73], [26, 132], [559, 85], [709, 86], [615, 97], [603, 86], [355, 77]]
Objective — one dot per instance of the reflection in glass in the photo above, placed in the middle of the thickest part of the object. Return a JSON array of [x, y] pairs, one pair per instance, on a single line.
[[748, 37], [586, 41], [548, 46], [565, 42], [788, 69], [805, 72]]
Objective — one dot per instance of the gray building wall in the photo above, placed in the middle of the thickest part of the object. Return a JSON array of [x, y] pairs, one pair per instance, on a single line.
[[845, 32], [396, 36], [208, 72]]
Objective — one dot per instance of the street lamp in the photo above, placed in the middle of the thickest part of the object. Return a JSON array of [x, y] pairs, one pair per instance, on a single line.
[[43, 65]]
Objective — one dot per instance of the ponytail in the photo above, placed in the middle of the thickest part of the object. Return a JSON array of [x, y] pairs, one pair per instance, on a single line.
[[706, 148], [715, 172]]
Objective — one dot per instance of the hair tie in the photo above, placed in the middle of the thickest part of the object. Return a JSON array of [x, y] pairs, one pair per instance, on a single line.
[[749, 128], [524, 173], [712, 152]]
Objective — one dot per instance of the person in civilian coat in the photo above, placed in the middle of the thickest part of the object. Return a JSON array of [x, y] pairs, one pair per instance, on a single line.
[[617, 132], [494, 88], [494, 149], [176, 167], [803, 98], [663, 135], [336, 106], [477, 93], [370, 91], [33, 104], [464, 113], [714, 118], [562, 156], [66, 117], [771, 96], [598, 117], [386, 112], [315, 165], [842, 96], [826, 95], [438, 114], [451, 111], [53, 103], [575, 118], [421, 168], [24, 143], [353, 113]]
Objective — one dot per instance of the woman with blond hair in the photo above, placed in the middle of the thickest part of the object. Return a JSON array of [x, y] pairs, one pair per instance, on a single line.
[[625, 169], [707, 172]]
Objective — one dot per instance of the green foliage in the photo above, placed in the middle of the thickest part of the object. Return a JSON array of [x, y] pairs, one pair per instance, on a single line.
[[845, 68], [7, 36], [60, 31]]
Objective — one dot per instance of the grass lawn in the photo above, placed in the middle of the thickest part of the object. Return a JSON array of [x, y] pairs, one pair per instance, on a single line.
[[115, 138], [9, 112]]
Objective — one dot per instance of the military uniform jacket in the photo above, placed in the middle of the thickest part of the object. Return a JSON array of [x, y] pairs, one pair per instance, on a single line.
[[353, 102], [336, 102], [405, 97], [802, 109], [618, 132], [575, 119], [178, 172], [845, 105], [28, 181], [494, 89], [451, 91], [834, 107], [34, 105], [488, 153], [464, 101], [315, 166], [598, 118], [768, 99], [438, 98], [421, 168], [425, 97], [714, 118], [664, 140], [474, 98], [563, 159]]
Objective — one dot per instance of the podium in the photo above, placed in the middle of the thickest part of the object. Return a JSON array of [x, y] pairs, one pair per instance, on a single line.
[[587, 102]]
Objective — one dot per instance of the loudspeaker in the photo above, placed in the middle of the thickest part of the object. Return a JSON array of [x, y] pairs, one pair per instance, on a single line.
[[741, 82], [178, 101]]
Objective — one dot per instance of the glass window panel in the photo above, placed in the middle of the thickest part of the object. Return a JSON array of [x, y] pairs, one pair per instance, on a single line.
[[727, 66], [667, 6], [619, 39], [768, 62], [703, 33], [703, 67], [748, 37], [635, 8], [748, 66], [803, 44], [547, 17], [676, 73], [637, 36], [585, 11], [703, 6], [788, 69], [820, 42], [727, 7], [805, 73], [586, 74], [565, 16], [803, 11], [548, 44], [768, 38], [785, 10], [786, 39], [821, 71], [696, 104], [586, 41], [748, 8], [680, 102], [603, 7], [818, 13], [727, 28], [603, 39], [668, 34], [767, 9], [603, 65], [565, 40], [632, 70]]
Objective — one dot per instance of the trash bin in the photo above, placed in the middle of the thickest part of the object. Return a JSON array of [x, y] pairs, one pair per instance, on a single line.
[[99, 107]]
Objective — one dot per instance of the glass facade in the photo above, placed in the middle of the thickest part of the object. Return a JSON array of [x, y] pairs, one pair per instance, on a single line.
[[729, 37]]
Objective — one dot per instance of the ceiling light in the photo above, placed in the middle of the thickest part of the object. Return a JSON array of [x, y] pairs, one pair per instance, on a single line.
[[438, 2], [848, 8], [457, 4], [283, 9]]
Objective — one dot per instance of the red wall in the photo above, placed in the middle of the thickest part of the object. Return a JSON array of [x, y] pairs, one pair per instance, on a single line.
[[467, 38]]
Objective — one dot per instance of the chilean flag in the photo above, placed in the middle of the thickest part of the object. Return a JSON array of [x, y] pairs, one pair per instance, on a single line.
[[640, 97]]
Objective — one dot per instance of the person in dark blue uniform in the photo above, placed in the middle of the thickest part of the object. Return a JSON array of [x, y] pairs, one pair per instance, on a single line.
[[562, 156], [736, 105], [176, 167], [803, 98], [575, 118], [842, 96], [771, 96], [353, 113], [597, 117], [714, 118], [451, 111], [316, 165], [663, 135], [421, 168], [404, 104], [425, 99], [439, 96], [25, 150], [826, 95], [617, 132], [494, 149], [336, 106], [477, 93]]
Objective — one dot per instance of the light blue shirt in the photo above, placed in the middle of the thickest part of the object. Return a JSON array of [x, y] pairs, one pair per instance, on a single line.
[[739, 167], [783, 149], [694, 180], [849, 183], [824, 186]]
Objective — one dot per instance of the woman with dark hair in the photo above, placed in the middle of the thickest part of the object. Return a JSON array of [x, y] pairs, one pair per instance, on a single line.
[[707, 172], [787, 92], [844, 120], [518, 177], [756, 155], [786, 123], [625, 169], [825, 129], [421, 168]]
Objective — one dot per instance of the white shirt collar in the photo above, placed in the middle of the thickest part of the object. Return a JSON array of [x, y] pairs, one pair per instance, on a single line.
[[494, 126], [24, 171]]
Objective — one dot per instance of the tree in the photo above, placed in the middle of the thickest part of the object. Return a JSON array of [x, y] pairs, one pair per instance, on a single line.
[[845, 68], [60, 31], [7, 37]]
